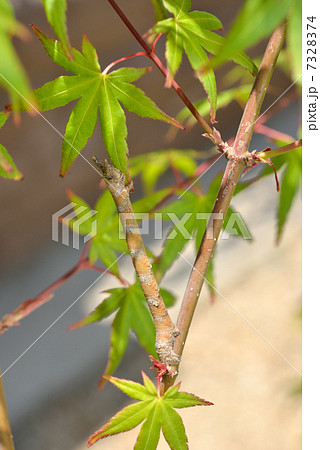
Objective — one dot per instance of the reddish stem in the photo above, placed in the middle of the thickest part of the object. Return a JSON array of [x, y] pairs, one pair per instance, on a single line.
[[271, 133], [155, 42], [83, 263], [176, 173], [28, 306], [106, 70], [282, 103], [269, 153]]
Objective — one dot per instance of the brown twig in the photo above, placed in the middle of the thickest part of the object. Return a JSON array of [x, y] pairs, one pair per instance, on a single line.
[[165, 330], [227, 187], [6, 441], [28, 306]]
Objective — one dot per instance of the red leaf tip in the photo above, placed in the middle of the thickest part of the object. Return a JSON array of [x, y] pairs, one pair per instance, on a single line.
[[69, 192]]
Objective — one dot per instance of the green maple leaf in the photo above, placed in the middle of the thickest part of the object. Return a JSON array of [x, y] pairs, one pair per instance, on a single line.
[[8, 169], [147, 203], [155, 411], [12, 75], [102, 225], [158, 162], [256, 20], [132, 314], [159, 10], [294, 42], [185, 209], [56, 15], [194, 211], [289, 186], [98, 90], [192, 32]]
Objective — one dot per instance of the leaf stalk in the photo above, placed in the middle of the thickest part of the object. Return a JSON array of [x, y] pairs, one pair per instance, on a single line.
[[268, 153]]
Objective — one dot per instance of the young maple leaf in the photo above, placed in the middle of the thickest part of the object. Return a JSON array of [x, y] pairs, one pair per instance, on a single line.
[[192, 32], [102, 224], [56, 14], [193, 212], [8, 168], [290, 184], [263, 16], [132, 313], [98, 90], [12, 74], [158, 162], [156, 411]]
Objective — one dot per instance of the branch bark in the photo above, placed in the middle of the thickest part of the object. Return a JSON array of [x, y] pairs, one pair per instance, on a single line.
[[6, 442], [165, 329], [230, 178]]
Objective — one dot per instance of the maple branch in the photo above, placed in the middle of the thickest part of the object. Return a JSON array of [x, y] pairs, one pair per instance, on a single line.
[[6, 442], [28, 306], [229, 181], [165, 330], [152, 55]]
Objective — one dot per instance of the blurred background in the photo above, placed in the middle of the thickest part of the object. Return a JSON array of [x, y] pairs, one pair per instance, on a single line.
[[242, 350]]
